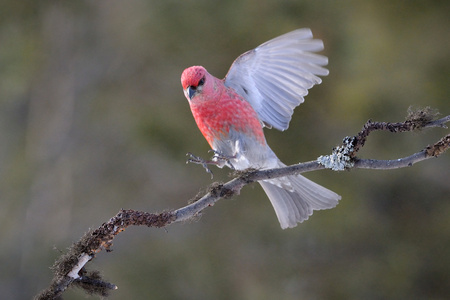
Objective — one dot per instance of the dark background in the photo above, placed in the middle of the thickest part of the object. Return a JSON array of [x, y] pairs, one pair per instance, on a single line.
[[93, 119]]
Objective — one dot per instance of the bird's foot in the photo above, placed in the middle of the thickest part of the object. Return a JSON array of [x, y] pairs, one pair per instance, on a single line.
[[200, 161], [219, 156]]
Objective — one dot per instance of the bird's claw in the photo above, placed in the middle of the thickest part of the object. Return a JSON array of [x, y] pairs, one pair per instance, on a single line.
[[218, 160], [220, 156], [200, 161]]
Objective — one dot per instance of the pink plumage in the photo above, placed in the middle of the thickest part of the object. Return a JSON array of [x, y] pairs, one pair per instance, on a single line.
[[262, 88], [218, 109]]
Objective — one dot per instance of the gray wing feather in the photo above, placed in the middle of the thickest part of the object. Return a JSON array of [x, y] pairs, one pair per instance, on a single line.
[[275, 76]]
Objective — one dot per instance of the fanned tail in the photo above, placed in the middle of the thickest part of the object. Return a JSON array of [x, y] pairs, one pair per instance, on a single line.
[[294, 198]]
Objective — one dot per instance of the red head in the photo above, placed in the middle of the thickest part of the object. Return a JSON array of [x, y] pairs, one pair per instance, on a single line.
[[193, 80]]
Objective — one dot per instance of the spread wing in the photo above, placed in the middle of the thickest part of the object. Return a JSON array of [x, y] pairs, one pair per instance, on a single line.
[[275, 76]]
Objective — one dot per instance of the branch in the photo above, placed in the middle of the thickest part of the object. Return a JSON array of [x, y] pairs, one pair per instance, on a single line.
[[69, 268], [344, 156]]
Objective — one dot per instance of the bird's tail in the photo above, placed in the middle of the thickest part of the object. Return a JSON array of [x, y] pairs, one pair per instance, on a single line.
[[294, 198]]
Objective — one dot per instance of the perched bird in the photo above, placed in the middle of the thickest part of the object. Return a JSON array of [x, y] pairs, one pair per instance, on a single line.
[[261, 89]]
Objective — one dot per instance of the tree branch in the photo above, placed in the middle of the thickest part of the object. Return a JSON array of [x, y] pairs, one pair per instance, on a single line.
[[69, 268]]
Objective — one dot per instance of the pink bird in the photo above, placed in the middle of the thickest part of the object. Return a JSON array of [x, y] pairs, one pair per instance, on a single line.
[[261, 89]]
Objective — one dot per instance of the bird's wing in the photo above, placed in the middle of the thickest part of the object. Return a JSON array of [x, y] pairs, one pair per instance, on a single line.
[[275, 76]]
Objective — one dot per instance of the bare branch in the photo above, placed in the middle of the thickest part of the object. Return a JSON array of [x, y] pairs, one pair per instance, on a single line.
[[344, 156], [415, 120], [431, 151], [69, 269]]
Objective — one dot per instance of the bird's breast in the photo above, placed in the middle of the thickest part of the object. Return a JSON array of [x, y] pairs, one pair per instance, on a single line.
[[226, 112]]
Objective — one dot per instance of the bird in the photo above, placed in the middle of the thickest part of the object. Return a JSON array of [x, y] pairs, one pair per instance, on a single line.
[[261, 89]]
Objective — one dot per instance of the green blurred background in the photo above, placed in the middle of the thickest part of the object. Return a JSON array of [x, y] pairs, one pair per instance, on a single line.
[[93, 119]]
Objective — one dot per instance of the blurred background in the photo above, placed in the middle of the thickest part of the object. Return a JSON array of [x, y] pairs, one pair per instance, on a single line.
[[93, 119]]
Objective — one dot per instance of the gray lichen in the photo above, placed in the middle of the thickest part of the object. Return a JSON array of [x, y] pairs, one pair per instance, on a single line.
[[341, 158]]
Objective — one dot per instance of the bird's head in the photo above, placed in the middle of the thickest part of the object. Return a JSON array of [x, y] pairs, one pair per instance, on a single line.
[[193, 80]]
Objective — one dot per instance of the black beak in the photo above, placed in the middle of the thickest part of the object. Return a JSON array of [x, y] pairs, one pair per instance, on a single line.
[[191, 91]]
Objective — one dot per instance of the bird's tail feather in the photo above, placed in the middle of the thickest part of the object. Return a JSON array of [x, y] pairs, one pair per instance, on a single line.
[[294, 198]]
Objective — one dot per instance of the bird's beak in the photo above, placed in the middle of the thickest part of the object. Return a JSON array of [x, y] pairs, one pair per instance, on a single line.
[[191, 91]]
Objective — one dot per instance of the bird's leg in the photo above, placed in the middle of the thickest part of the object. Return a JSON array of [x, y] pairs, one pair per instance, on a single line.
[[218, 159], [200, 161], [219, 156]]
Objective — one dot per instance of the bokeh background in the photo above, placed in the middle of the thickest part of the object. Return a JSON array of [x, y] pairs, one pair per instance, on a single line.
[[93, 119]]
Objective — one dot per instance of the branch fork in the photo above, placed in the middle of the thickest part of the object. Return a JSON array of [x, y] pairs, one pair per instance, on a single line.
[[70, 270]]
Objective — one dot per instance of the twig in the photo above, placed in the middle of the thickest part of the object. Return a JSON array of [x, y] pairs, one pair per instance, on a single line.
[[69, 269], [344, 156]]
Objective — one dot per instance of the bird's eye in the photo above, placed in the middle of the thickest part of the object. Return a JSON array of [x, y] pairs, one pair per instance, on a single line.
[[201, 82]]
